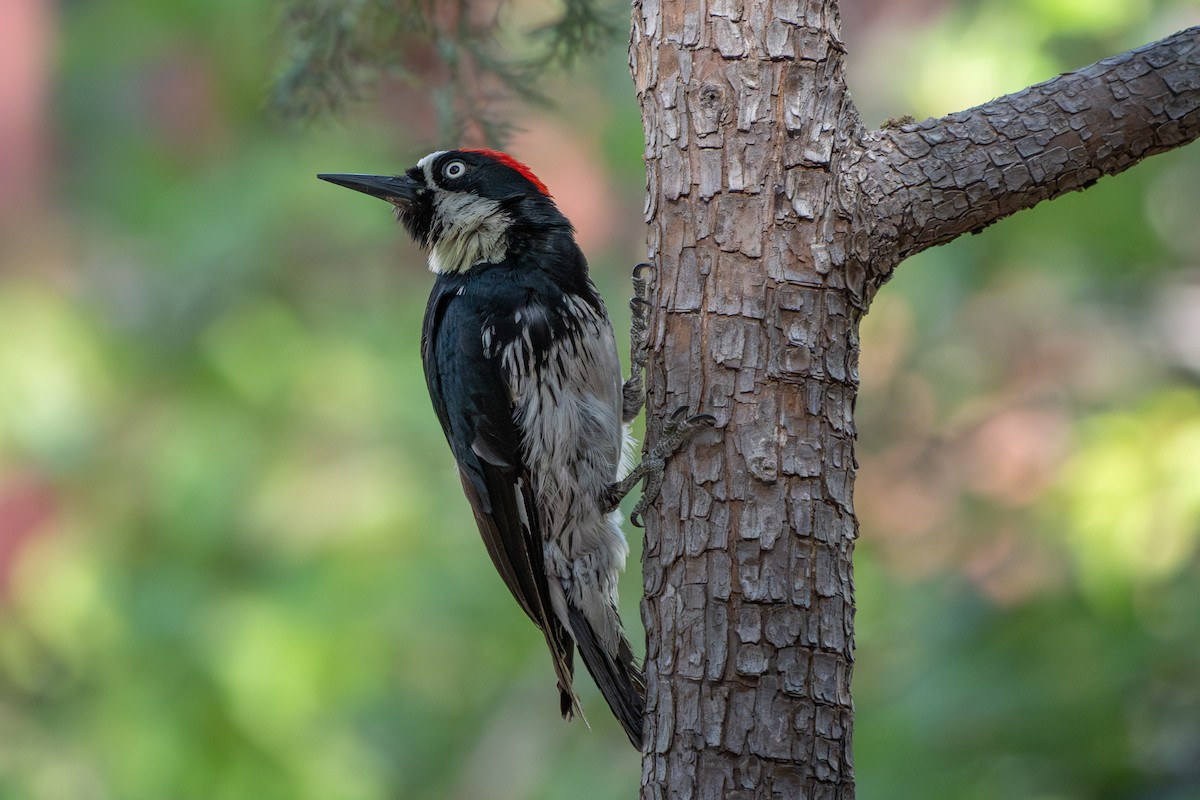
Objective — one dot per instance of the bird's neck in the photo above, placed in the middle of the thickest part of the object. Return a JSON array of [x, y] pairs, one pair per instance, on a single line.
[[468, 242]]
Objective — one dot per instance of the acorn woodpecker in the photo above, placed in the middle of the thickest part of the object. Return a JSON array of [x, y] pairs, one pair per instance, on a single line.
[[522, 368]]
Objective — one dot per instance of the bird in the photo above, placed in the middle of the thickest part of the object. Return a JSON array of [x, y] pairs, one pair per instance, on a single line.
[[521, 364]]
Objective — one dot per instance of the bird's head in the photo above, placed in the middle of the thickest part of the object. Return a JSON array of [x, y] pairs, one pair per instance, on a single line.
[[465, 207]]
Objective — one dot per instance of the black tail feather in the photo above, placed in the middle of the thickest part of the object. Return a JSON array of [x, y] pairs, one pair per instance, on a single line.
[[568, 703], [619, 679]]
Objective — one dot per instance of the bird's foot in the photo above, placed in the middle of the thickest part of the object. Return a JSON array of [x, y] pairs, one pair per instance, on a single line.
[[676, 431], [634, 392]]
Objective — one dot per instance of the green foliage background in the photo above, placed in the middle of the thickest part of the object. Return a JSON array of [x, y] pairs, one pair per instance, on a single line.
[[250, 573]]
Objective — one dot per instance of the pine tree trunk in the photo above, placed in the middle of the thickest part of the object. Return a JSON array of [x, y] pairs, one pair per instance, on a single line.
[[774, 216], [749, 592]]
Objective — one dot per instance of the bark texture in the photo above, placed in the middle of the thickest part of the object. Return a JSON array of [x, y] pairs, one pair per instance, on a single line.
[[749, 593], [774, 216], [933, 181]]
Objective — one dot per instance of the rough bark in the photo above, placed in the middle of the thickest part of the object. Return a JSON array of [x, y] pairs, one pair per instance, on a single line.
[[933, 181], [749, 593], [773, 218]]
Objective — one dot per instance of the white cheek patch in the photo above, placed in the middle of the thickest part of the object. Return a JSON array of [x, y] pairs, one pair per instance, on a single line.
[[467, 230]]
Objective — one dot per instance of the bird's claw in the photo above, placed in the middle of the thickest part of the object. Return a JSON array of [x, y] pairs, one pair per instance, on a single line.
[[633, 392], [676, 431], [676, 425], [650, 492]]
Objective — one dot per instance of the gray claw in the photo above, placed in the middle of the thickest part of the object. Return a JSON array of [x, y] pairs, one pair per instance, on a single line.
[[633, 393], [650, 492], [675, 432]]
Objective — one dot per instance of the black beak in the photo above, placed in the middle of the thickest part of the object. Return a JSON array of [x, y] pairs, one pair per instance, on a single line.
[[399, 188]]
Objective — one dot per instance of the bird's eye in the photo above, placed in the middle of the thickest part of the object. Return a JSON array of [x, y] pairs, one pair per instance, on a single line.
[[454, 169]]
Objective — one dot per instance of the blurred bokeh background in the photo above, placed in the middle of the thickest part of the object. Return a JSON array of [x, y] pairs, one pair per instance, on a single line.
[[234, 557]]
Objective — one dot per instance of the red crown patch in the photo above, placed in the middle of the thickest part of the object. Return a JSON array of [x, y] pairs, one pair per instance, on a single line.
[[512, 163]]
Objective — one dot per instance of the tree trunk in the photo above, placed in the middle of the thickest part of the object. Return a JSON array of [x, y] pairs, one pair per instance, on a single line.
[[774, 217], [749, 592]]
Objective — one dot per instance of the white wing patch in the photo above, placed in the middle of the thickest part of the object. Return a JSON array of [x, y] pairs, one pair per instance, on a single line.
[[568, 407]]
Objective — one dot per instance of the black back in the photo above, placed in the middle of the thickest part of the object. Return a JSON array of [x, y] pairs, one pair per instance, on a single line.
[[471, 398]]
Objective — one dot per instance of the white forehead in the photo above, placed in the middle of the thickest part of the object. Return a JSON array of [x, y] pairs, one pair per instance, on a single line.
[[426, 164]]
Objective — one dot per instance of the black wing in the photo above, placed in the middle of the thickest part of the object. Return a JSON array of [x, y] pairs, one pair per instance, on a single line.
[[472, 402]]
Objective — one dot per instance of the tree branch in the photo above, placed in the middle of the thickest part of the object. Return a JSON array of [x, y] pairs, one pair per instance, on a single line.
[[933, 181]]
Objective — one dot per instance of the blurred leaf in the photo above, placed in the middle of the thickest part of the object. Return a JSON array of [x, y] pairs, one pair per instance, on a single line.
[[1132, 493]]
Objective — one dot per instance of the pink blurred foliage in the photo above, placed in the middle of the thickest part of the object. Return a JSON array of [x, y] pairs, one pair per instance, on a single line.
[[26, 53], [28, 508], [571, 166], [177, 99]]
